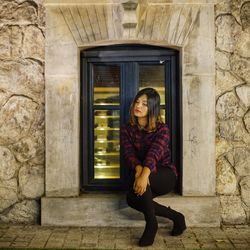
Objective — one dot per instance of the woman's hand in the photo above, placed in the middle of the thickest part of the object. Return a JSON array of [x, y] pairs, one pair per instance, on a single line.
[[138, 171], [141, 181], [140, 185]]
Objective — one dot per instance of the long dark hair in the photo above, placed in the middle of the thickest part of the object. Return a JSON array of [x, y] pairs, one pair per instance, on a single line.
[[154, 101]]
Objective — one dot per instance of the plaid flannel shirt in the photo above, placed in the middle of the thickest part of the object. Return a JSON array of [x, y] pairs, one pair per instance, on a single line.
[[148, 149]]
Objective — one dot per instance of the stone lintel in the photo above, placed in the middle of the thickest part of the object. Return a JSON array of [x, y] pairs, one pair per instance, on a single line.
[[112, 211], [165, 2]]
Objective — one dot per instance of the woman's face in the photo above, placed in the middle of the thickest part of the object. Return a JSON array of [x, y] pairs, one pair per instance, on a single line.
[[141, 107]]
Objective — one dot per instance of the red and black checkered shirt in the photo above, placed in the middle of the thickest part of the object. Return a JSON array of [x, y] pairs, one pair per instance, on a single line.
[[148, 149]]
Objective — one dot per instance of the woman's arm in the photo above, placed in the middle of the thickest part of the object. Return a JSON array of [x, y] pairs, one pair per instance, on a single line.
[[128, 149], [157, 148]]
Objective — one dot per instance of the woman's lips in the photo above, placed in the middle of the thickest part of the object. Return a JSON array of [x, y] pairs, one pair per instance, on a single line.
[[137, 111]]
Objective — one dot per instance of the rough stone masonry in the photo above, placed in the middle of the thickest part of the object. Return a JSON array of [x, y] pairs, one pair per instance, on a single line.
[[21, 110], [22, 101]]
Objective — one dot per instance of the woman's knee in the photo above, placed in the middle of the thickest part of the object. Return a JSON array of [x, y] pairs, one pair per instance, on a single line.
[[129, 199], [163, 181], [133, 201], [140, 202]]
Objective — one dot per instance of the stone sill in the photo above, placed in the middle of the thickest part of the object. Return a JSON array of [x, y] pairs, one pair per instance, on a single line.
[[77, 2], [111, 210], [118, 194]]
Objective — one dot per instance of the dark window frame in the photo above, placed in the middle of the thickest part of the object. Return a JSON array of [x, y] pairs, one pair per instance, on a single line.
[[132, 56]]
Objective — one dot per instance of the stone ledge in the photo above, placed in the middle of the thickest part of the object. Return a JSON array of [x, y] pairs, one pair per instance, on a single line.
[[163, 2], [112, 210]]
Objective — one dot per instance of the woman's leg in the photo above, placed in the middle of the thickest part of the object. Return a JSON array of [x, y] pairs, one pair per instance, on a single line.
[[163, 182], [145, 205]]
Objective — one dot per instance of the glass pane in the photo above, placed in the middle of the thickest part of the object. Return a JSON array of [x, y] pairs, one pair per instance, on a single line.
[[163, 115], [107, 144], [153, 76], [106, 84]]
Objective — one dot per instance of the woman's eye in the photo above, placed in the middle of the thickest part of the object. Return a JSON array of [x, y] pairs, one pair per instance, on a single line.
[[145, 104]]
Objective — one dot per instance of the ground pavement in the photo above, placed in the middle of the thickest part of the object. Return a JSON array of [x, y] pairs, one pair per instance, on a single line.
[[35, 236]]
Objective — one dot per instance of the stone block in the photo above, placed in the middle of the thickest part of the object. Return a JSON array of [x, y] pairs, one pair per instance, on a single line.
[[222, 60], [228, 7], [26, 78], [232, 210], [239, 157], [240, 67], [16, 118], [227, 106], [61, 51], [33, 43], [8, 193], [226, 81], [245, 190], [247, 121], [243, 93], [226, 179], [199, 47], [5, 45], [198, 135], [227, 28], [31, 181], [62, 144], [222, 146], [112, 211], [26, 211], [242, 44], [25, 149], [233, 129], [244, 15], [8, 164]]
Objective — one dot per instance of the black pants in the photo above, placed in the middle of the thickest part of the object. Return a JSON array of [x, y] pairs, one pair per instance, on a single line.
[[161, 182]]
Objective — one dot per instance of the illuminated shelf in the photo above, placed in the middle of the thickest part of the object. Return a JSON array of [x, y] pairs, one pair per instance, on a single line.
[[107, 166], [107, 141], [106, 154], [107, 89], [106, 103], [107, 177], [106, 128], [106, 116]]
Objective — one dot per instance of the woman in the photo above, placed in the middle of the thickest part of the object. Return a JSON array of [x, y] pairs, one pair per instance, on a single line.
[[145, 146]]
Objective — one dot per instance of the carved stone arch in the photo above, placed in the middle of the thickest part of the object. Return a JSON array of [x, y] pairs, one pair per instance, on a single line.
[[89, 23]]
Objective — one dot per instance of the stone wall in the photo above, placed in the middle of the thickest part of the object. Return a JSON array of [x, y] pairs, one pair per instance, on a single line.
[[21, 110], [232, 110]]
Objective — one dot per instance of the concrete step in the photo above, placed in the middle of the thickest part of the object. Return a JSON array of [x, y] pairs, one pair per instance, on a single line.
[[112, 210]]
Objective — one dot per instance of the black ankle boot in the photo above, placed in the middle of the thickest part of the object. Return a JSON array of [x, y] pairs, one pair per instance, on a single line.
[[177, 218], [179, 224], [149, 233]]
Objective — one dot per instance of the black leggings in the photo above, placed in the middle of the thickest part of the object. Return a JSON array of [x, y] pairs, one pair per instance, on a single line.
[[161, 182]]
